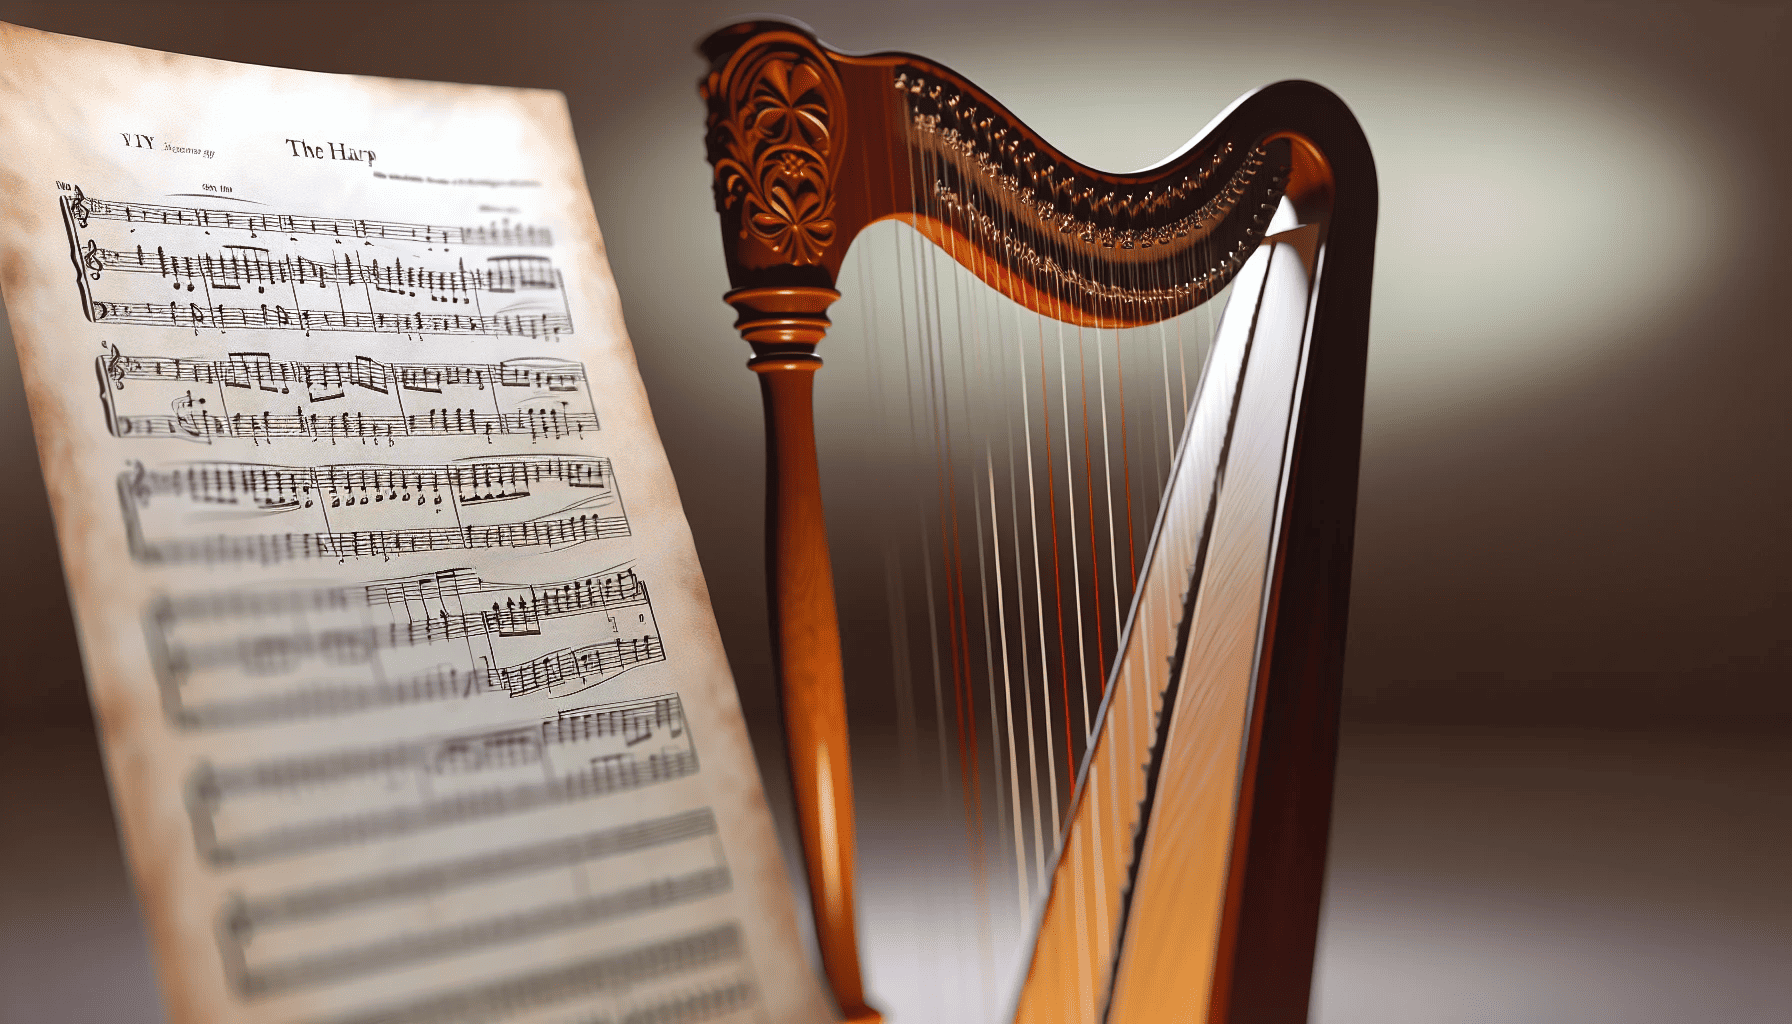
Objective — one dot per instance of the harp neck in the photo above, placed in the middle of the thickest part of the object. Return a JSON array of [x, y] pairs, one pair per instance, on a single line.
[[810, 146]]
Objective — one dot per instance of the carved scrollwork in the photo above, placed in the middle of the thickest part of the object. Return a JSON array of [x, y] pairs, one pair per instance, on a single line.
[[776, 125]]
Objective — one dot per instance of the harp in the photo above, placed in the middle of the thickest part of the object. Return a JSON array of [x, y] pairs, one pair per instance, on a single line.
[[1156, 606]]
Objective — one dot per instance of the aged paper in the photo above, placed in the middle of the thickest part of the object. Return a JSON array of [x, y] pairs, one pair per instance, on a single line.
[[408, 684]]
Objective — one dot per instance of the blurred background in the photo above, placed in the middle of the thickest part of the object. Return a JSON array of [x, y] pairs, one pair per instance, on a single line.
[[1565, 783]]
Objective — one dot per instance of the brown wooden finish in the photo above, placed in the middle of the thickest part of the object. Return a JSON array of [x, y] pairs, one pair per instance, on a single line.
[[809, 147], [807, 647], [1272, 912]]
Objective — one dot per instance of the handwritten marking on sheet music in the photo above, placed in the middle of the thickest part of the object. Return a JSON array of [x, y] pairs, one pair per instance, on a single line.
[[361, 511], [249, 657], [252, 396], [279, 809], [331, 274]]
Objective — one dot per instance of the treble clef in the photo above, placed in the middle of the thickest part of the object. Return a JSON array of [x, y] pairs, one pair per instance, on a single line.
[[115, 367], [78, 208], [92, 259]]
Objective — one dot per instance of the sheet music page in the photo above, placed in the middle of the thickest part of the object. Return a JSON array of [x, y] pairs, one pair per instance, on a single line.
[[409, 689]]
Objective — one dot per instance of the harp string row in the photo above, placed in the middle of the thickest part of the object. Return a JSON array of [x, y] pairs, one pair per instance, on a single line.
[[1136, 257], [1049, 446]]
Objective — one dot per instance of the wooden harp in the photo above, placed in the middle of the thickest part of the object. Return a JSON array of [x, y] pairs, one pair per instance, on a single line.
[[1186, 864]]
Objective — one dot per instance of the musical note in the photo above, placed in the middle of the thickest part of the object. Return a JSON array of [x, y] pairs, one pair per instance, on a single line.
[[355, 796], [601, 661], [251, 396]]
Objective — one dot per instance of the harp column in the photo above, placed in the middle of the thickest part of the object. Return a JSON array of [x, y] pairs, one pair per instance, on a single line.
[[777, 139], [783, 325]]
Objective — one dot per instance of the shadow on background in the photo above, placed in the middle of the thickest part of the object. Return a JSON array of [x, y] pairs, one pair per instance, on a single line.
[[1563, 788]]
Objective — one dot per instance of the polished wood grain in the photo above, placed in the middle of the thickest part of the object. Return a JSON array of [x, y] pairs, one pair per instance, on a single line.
[[809, 669], [780, 323]]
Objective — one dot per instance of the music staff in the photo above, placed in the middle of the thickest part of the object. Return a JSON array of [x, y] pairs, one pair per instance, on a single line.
[[360, 511], [81, 208], [236, 267], [252, 396], [271, 548], [259, 371], [576, 670], [255, 675], [545, 988], [612, 588], [250, 657], [245, 918], [278, 318], [286, 488], [295, 273], [278, 809], [600, 660], [190, 421], [394, 952]]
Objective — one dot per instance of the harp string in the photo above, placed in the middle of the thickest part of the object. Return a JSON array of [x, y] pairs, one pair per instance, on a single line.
[[1077, 854], [983, 427], [1096, 617], [955, 591], [1023, 647], [1076, 583], [951, 543], [996, 365], [955, 267]]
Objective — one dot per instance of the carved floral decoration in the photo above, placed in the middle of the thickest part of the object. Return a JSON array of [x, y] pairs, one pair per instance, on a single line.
[[775, 127]]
